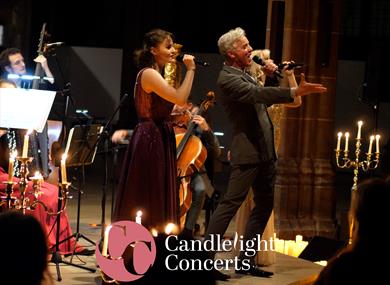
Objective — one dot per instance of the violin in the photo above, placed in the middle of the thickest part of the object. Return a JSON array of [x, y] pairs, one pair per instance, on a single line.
[[190, 156]]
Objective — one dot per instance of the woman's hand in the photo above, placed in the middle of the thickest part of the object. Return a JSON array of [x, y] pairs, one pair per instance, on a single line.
[[189, 62], [287, 71]]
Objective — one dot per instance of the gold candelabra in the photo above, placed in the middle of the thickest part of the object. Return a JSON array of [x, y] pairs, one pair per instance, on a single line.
[[346, 162], [24, 203]]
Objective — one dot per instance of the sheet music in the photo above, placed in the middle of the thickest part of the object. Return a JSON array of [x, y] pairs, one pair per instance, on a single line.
[[25, 108]]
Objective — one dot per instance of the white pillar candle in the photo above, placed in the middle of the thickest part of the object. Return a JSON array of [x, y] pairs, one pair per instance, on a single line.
[[346, 141], [359, 134], [377, 137], [105, 241], [339, 135], [25, 143], [138, 217], [298, 238], [63, 169], [370, 146]]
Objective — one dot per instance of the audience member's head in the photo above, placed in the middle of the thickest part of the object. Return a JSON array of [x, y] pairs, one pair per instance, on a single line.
[[369, 207], [24, 249], [366, 259]]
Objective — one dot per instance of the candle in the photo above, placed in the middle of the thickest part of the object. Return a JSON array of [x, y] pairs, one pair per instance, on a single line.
[[37, 176], [11, 165], [370, 146], [298, 238], [171, 228], [360, 123], [346, 141], [63, 169], [279, 245], [105, 241], [25, 144], [138, 217], [377, 137], [154, 232], [339, 135]]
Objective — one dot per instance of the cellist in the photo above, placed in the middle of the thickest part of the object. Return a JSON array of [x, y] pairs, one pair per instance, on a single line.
[[200, 183]]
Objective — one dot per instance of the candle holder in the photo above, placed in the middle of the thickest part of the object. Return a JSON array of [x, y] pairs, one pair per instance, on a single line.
[[107, 279], [9, 200], [346, 162], [20, 203], [365, 165], [24, 203]]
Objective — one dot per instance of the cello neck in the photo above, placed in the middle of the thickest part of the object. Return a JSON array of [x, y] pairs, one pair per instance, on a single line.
[[38, 67]]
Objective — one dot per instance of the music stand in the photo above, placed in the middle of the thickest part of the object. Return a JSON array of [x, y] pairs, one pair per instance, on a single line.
[[81, 140], [81, 150]]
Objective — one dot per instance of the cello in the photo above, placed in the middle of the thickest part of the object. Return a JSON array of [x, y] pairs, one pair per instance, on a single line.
[[42, 143], [190, 156], [39, 141]]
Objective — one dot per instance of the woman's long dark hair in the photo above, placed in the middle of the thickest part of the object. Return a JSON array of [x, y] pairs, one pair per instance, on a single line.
[[143, 57]]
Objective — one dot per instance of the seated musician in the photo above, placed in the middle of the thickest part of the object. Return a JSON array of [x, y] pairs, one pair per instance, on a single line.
[[12, 62], [200, 182], [10, 141]]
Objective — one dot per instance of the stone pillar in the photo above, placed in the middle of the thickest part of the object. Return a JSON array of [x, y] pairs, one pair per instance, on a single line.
[[304, 192]]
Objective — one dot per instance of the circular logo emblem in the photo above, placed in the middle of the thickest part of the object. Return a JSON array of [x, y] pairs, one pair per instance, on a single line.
[[122, 235]]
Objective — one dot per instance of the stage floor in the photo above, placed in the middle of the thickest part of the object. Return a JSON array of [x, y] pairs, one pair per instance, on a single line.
[[287, 270]]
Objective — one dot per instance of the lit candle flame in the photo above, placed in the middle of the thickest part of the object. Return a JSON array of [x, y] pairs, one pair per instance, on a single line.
[[154, 232], [170, 228]]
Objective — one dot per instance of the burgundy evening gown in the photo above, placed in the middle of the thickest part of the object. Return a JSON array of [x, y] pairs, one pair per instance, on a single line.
[[148, 176]]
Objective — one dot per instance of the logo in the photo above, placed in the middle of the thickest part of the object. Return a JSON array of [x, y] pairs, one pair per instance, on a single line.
[[122, 235]]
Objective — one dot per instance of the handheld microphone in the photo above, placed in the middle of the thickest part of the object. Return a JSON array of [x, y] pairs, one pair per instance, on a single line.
[[198, 62], [56, 44], [261, 62], [290, 65]]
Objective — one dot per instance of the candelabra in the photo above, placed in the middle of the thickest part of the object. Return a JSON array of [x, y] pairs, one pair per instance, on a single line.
[[356, 163], [23, 202]]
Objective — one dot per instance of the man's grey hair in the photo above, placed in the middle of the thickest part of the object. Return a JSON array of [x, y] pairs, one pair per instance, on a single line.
[[226, 41]]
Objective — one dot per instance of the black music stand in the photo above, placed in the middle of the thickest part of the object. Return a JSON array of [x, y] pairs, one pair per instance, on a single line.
[[81, 151]]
